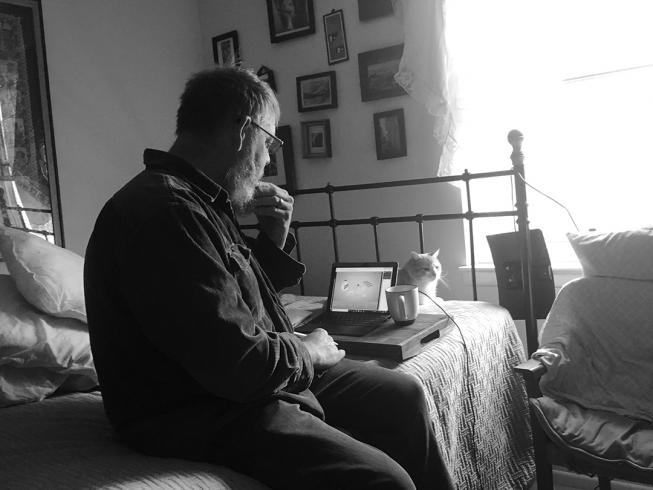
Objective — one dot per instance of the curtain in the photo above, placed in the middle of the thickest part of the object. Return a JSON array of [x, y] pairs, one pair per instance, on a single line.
[[425, 72]]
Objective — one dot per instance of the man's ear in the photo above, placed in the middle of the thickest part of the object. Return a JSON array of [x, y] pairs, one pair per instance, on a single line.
[[241, 125]]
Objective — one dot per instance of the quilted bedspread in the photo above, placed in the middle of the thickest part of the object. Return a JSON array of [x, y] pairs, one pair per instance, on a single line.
[[477, 403], [66, 442]]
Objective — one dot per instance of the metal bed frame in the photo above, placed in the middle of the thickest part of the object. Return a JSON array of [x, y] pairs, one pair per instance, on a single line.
[[515, 138]]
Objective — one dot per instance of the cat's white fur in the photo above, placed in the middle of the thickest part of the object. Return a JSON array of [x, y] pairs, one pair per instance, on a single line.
[[424, 271]]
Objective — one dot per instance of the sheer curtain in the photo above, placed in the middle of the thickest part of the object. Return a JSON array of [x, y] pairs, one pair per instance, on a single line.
[[574, 77], [424, 70]]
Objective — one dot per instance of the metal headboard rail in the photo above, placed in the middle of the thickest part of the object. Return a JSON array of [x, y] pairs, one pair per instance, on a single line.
[[520, 212]]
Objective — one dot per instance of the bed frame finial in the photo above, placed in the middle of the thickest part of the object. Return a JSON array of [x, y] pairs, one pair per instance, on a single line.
[[515, 138]]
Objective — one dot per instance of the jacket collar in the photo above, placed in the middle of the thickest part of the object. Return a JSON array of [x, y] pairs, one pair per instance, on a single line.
[[169, 163]]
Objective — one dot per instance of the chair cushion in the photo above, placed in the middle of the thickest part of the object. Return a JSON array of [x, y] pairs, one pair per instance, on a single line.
[[604, 437], [601, 327]]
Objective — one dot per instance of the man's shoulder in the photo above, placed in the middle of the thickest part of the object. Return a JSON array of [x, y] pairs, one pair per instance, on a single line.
[[151, 193]]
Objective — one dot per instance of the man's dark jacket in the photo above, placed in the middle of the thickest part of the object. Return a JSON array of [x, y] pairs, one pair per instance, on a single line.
[[182, 307]]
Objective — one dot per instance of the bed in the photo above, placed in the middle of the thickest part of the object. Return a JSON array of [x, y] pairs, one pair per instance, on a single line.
[[57, 436]]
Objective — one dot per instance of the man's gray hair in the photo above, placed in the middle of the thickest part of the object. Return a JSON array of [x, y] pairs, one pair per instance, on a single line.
[[220, 96]]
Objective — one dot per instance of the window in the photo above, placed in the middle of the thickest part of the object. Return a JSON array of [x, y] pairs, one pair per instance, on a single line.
[[575, 77]]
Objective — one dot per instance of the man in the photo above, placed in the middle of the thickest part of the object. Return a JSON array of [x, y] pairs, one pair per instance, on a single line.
[[195, 354]]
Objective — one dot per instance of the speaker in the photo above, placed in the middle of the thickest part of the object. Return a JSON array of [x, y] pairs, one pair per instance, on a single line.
[[506, 249]]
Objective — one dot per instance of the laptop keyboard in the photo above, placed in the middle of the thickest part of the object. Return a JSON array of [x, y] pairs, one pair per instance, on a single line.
[[361, 319]]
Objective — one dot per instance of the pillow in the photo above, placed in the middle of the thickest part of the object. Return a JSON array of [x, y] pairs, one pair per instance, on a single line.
[[621, 254], [39, 354], [48, 276]]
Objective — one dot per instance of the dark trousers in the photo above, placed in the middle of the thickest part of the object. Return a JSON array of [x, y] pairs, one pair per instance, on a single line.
[[376, 435]]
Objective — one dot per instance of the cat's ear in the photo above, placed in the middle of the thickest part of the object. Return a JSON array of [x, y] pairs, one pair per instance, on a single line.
[[414, 255], [435, 254]]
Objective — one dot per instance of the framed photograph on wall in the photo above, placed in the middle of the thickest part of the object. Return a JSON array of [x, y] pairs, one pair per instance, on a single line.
[[267, 75], [281, 169], [317, 92], [390, 134], [372, 9], [225, 49], [377, 70], [316, 139], [289, 19], [29, 184], [336, 40]]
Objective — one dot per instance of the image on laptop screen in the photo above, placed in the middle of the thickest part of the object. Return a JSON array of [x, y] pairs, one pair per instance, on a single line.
[[361, 288]]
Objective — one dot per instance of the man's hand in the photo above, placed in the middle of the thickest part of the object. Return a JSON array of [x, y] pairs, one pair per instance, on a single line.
[[273, 207], [323, 350]]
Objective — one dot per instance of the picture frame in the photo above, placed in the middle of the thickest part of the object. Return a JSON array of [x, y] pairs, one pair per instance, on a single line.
[[289, 19], [29, 190], [281, 169], [317, 91], [335, 37], [226, 51], [373, 9], [267, 75], [316, 139], [377, 69], [390, 134]]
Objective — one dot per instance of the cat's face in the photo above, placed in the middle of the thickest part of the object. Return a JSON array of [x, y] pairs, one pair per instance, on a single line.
[[424, 266]]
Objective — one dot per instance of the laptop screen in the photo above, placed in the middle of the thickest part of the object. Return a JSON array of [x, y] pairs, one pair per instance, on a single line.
[[361, 287]]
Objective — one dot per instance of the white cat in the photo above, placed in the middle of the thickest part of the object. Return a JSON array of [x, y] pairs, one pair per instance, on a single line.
[[424, 271]]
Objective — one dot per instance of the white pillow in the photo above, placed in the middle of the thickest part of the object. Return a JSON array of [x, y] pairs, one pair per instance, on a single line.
[[51, 278], [39, 353], [622, 254]]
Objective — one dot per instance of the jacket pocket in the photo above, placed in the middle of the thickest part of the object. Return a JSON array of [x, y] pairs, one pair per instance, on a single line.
[[240, 266]]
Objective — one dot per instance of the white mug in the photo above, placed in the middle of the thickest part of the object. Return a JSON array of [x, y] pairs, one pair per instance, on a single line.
[[403, 303]]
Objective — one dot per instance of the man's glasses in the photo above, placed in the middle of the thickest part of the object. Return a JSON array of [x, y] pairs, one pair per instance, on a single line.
[[273, 143]]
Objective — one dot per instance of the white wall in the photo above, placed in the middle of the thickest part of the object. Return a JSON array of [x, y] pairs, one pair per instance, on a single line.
[[116, 70], [354, 154]]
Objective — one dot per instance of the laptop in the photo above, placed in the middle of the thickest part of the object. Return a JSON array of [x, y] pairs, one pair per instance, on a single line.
[[356, 304]]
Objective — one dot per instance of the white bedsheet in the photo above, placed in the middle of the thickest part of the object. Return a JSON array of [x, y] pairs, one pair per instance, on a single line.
[[598, 343]]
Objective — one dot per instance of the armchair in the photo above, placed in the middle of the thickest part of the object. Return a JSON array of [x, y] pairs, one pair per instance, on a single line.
[[590, 384]]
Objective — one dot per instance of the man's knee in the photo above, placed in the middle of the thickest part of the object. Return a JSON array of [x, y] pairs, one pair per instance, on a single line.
[[407, 396]]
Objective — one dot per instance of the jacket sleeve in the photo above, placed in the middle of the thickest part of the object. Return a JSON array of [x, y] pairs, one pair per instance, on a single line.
[[180, 285], [282, 269]]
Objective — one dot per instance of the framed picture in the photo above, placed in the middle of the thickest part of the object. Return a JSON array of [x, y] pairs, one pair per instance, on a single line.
[[390, 134], [316, 92], [267, 75], [336, 40], [29, 188], [316, 139], [281, 170], [225, 49], [377, 70], [372, 9], [289, 19]]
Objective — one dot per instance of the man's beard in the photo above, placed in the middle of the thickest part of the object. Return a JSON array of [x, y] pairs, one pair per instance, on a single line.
[[240, 182]]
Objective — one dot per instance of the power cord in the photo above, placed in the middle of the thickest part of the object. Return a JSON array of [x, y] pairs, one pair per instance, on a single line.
[[467, 385], [549, 197]]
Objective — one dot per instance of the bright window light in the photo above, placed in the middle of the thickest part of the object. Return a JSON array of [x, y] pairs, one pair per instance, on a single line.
[[575, 77]]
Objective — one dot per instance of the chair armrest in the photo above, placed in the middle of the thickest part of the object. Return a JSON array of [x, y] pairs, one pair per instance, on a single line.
[[531, 371]]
